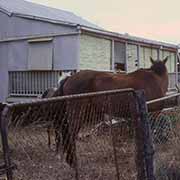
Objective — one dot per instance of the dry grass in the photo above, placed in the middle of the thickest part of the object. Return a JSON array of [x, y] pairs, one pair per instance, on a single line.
[[35, 161]]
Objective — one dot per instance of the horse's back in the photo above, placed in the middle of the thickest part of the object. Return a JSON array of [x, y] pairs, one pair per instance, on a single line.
[[83, 82], [91, 81], [137, 80]]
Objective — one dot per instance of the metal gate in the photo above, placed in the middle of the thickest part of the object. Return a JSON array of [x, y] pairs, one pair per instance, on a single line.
[[103, 135]]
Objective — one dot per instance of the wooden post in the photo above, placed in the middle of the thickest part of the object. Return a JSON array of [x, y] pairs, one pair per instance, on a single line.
[[144, 144], [4, 138]]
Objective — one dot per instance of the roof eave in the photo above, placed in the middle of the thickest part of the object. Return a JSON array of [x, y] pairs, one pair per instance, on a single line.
[[44, 19], [5, 11], [127, 38]]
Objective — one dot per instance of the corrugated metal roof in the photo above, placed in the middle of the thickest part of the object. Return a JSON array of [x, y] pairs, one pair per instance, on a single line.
[[37, 11]]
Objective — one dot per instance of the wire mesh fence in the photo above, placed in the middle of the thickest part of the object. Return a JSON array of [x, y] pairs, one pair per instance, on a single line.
[[92, 136], [165, 125]]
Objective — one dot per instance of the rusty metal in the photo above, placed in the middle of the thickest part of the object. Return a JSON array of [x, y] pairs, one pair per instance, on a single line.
[[145, 136], [69, 97], [113, 142], [163, 98], [82, 129]]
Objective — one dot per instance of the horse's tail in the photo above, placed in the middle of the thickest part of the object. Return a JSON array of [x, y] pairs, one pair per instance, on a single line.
[[64, 127], [54, 92], [61, 121], [68, 141]]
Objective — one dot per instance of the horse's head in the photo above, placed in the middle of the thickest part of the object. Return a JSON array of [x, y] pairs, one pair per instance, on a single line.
[[159, 67]]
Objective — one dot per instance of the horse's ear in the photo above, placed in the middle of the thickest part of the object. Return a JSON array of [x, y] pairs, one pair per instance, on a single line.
[[165, 60], [152, 60]]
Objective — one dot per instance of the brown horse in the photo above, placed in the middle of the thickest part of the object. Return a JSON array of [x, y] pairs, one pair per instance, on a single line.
[[154, 81]]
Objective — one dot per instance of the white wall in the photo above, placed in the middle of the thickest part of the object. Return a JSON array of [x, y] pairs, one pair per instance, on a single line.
[[95, 53]]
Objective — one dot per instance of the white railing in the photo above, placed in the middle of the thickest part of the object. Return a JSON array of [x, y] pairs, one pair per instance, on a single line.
[[172, 80], [32, 83]]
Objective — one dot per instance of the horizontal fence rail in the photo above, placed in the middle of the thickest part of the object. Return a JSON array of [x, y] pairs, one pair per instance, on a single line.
[[101, 135]]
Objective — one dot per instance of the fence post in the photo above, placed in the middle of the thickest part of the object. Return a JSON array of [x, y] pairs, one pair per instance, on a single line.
[[4, 139], [144, 144]]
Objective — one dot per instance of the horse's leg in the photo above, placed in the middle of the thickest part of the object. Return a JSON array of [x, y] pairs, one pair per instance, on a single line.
[[67, 142], [60, 126], [57, 139], [77, 117], [70, 157], [70, 130], [49, 137]]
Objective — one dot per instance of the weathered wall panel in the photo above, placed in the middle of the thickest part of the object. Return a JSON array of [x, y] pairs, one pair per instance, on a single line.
[[148, 54], [154, 54], [17, 55], [3, 25], [95, 53], [3, 71], [132, 55], [142, 57], [168, 64], [40, 56], [145, 54], [171, 60], [161, 54], [66, 52]]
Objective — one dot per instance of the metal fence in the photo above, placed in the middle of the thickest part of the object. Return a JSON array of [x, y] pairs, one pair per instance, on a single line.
[[102, 135], [165, 126]]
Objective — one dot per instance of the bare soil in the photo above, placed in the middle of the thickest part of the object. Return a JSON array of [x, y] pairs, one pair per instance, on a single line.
[[95, 153]]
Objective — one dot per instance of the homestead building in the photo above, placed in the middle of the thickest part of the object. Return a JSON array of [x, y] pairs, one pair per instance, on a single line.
[[38, 43]]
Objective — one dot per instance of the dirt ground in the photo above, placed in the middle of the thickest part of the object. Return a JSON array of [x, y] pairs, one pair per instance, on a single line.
[[95, 153]]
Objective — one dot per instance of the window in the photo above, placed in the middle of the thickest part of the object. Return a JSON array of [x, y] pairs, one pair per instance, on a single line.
[[95, 53], [119, 55], [40, 54]]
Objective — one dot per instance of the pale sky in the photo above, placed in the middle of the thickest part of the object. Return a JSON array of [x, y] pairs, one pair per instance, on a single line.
[[153, 19]]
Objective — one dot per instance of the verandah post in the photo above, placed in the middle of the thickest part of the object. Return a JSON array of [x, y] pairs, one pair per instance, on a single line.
[[4, 140]]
